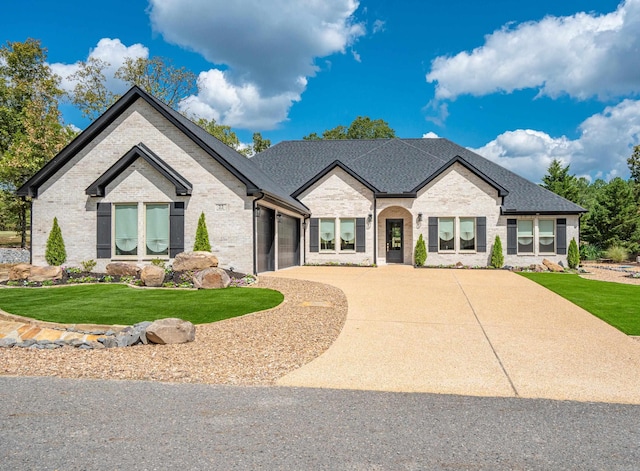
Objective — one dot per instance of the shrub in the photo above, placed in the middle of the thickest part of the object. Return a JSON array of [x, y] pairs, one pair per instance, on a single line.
[[158, 262], [202, 236], [88, 265], [617, 253], [497, 258], [55, 254], [420, 254], [573, 256], [107, 278], [590, 252]]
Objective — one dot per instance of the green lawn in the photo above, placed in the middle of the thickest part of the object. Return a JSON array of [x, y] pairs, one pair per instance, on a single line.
[[120, 304], [615, 303], [10, 239]]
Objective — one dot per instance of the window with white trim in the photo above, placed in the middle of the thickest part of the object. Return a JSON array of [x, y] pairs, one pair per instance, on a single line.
[[546, 236], [525, 236], [347, 234], [446, 234], [327, 235], [468, 234]]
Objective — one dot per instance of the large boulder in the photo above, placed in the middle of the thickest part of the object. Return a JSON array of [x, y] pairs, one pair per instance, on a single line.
[[21, 271], [45, 273], [538, 268], [211, 278], [170, 330], [186, 261], [152, 275], [122, 269], [551, 266]]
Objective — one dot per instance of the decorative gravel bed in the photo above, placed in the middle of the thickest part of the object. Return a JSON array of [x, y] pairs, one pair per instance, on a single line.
[[255, 349]]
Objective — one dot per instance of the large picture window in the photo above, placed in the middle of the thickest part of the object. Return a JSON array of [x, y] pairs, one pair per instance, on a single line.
[[327, 234], [347, 234], [126, 229], [157, 229], [546, 236], [525, 236], [446, 233], [468, 234]]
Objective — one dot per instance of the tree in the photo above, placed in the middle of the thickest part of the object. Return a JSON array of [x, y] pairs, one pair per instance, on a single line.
[[561, 182], [202, 236], [573, 255], [156, 76], [225, 134], [55, 253], [362, 127], [259, 143], [497, 257], [614, 218], [31, 129], [634, 168], [420, 254]]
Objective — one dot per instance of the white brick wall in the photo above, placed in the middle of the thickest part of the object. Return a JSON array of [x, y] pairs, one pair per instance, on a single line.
[[230, 229]]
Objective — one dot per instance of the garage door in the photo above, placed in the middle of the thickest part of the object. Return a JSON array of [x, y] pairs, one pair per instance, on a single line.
[[288, 241], [266, 233]]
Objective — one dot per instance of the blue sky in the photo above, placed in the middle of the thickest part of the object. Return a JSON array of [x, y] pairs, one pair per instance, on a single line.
[[519, 82]]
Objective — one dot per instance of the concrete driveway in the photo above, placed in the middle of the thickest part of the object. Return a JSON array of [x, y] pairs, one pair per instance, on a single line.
[[470, 332]]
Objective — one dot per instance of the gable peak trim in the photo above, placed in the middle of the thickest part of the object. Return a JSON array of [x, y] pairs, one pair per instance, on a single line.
[[326, 170]]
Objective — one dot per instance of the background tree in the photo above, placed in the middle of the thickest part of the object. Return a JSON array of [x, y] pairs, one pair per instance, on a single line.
[[561, 182], [259, 143], [634, 168], [225, 134], [362, 127], [31, 129]]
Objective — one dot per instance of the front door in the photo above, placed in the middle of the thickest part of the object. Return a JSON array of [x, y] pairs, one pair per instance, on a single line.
[[395, 241]]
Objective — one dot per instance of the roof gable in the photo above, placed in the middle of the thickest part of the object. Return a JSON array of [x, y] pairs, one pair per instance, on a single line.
[[182, 185], [254, 178], [325, 171]]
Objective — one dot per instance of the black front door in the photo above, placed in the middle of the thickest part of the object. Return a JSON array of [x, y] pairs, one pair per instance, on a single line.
[[395, 241]]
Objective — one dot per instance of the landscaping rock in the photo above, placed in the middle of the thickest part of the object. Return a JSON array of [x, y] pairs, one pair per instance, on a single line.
[[45, 273], [21, 271], [7, 342], [538, 268], [170, 331], [108, 342], [141, 329], [4, 274], [552, 266], [211, 278], [122, 269], [152, 275], [194, 261]]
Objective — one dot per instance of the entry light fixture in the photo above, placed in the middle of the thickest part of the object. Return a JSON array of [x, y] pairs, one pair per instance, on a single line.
[[370, 218], [279, 216], [419, 220], [257, 211]]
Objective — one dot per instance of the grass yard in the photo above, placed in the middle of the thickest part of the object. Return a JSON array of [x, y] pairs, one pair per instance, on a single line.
[[10, 239], [119, 304], [615, 303]]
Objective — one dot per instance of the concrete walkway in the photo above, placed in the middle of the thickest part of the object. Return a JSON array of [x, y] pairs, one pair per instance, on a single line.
[[470, 332]]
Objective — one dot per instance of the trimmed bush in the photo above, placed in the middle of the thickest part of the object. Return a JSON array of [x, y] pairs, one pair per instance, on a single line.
[[590, 252], [617, 253], [202, 236], [497, 258], [420, 254], [573, 256], [55, 253]]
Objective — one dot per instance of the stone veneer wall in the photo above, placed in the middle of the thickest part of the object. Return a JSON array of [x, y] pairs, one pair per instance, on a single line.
[[216, 192]]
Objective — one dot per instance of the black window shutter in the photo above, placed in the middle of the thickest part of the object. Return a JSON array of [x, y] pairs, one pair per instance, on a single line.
[[176, 228], [433, 234], [561, 238], [481, 234], [361, 235], [314, 235], [103, 231], [512, 236]]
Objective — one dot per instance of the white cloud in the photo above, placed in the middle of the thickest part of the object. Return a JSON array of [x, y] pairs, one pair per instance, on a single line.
[[582, 55], [271, 44], [111, 51], [269, 48], [378, 26], [238, 105], [430, 135], [606, 141]]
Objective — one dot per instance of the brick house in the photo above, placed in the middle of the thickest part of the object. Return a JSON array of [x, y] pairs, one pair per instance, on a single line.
[[132, 186]]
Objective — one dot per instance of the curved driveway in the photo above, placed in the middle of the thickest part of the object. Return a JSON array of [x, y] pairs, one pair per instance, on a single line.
[[471, 332]]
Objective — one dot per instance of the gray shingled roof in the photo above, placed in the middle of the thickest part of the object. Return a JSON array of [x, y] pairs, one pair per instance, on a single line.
[[399, 166]]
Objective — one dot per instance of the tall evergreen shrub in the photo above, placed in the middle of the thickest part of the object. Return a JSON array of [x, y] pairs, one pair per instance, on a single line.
[[497, 258], [202, 236], [420, 254], [573, 256], [55, 253]]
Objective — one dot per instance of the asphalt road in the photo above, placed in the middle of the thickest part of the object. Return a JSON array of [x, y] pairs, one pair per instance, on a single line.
[[57, 424]]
